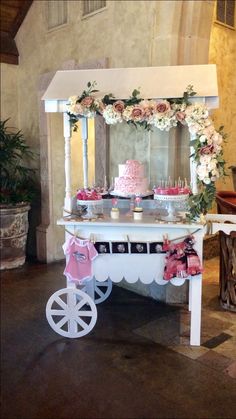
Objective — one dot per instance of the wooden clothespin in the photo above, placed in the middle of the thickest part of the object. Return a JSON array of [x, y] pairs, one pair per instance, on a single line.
[[92, 238]]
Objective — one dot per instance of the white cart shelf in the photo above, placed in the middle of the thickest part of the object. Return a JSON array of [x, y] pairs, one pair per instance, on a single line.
[[147, 268]]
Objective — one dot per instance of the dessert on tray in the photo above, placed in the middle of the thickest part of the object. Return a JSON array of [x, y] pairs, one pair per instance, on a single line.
[[174, 197], [170, 189], [131, 179], [91, 200], [88, 195]]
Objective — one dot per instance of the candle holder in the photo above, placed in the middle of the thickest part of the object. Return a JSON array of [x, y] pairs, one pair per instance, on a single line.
[[137, 210], [115, 213]]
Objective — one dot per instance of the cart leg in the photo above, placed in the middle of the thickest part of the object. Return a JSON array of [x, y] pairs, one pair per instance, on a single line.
[[190, 295], [90, 288], [196, 303]]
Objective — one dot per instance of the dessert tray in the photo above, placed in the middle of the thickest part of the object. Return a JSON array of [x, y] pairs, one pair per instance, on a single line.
[[92, 207], [173, 204], [87, 202], [177, 198]]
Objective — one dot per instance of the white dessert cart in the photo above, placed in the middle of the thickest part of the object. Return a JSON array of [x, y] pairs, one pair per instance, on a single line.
[[76, 307], [71, 311]]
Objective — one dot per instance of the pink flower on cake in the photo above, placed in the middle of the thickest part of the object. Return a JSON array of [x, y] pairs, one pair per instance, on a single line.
[[119, 106]]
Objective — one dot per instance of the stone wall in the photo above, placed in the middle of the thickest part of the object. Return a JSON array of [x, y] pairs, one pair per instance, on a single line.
[[9, 94], [222, 52]]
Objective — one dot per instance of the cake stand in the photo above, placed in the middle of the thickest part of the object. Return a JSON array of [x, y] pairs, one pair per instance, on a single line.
[[172, 203], [93, 208], [142, 195]]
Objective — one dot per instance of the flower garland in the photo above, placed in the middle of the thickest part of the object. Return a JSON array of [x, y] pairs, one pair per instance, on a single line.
[[206, 141]]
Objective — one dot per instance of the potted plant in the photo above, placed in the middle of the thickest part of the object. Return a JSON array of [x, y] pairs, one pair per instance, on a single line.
[[18, 188]]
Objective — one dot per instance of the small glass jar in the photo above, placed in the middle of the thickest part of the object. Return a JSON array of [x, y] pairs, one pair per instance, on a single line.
[[115, 213], [138, 213]]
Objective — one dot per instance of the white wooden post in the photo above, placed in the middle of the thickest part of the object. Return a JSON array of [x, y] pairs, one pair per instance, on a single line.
[[67, 200], [84, 125], [195, 298], [193, 169]]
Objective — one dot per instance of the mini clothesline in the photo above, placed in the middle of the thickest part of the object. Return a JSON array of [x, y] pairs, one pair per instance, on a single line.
[[165, 236]]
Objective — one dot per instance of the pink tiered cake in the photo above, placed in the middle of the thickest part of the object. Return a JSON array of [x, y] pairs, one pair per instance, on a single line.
[[131, 179]]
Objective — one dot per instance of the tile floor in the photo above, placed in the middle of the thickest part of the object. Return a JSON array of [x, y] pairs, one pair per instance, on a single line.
[[136, 363]]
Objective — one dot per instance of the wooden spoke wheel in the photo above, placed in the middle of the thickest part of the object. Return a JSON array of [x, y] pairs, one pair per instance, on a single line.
[[71, 312], [98, 291], [102, 290]]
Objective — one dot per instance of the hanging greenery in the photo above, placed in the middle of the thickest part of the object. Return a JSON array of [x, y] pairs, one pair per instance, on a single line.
[[206, 141]]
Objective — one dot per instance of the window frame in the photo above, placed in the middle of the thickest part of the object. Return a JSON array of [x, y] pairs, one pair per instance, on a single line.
[[219, 22], [94, 12], [60, 26]]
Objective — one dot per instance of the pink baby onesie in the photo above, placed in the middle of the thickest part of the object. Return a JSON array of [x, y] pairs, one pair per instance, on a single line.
[[79, 256]]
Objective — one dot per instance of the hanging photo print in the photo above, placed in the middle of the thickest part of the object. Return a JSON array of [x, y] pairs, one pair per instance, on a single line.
[[120, 247], [102, 247], [156, 247], [139, 248]]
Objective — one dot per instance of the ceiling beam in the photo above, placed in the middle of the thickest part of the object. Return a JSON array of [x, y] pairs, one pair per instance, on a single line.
[[9, 51], [24, 7], [12, 15]]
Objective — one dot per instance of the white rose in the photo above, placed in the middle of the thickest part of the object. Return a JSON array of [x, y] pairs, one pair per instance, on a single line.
[[202, 171], [217, 138], [212, 165], [203, 138], [205, 159], [215, 173], [194, 128], [207, 180]]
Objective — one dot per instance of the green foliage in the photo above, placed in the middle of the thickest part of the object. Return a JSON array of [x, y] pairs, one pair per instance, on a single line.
[[133, 99], [108, 99], [18, 182], [88, 92], [201, 203]]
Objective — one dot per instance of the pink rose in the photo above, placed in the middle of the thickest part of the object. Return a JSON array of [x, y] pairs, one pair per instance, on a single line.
[[78, 108], [208, 149], [137, 113], [180, 116], [147, 107], [87, 101], [147, 112], [162, 106], [119, 106]]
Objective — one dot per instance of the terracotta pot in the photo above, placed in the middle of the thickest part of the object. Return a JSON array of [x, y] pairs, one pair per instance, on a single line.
[[13, 235]]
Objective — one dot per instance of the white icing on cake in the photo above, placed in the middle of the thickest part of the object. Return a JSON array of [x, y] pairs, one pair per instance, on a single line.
[[131, 179]]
